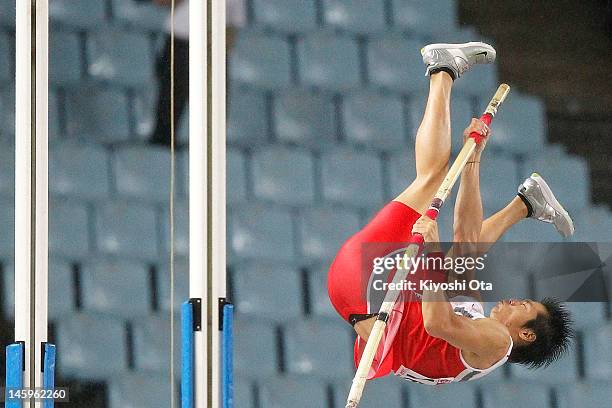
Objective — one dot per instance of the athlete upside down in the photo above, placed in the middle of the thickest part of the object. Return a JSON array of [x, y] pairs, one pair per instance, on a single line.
[[433, 339]]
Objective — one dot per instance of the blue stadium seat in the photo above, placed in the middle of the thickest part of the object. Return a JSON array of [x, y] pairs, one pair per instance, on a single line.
[[68, 229], [395, 64], [181, 228], [79, 170], [91, 339], [261, 60], [331, 356], [7, 13], [277, 170], [261, 232], [585, 395], [236, 176], [291, 16], [509, 279], [255, 351], [54, 117], [142, 172], [320, 304], [389, 389], [564, 371], [416, 16], [65, 59], [151, 343], [7, 225], [401, 169], [498, 181], [7, 113], [85, 14], [97, 112], [181, 284], [329, 61], [126, 229], [144, 104], [361, 17], [256, 288], [598, 351], [352, 178], [323, 230], [374, 120], [304, 118], [294, 392], [247, 118], [139, 14], [595, 224], [121, 57], [139, 390], [587, 315], [6, 72], [451, 395], [516, 394], [7, 169], [243, 393], [531, 231]]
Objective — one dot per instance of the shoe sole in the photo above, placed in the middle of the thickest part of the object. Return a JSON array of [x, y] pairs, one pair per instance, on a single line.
[[554, 203], [460, 46]]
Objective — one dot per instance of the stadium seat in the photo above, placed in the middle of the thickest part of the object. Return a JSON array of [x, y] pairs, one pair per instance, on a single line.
[[139, 14], [529, 230], [97, 112], [144, 103], [7, 13], [7, 113], [331, 356], [290, 16], [362, 17], [508, 278], [85, 14], [374, 120], [389, 389], [181, 228], [121, 229], [261, 232], [320, 304], [151, 343], [7, 169], [7, 225], [595, 224], [255, 348], [258, 293], [401, 169], [114, 287], [294, 392], [65, 59], [516, 394], [585, 395], [352, 178], [328, 61], [243, 392], [416, 16], [261, 60], [142, 172], [564, 371], [181, 284], [247, 119], [276, 171], [304, 118], [236, 176], [68, 229], [6, 72], [139, 390], [55, 130], [498, 181], [91, 339], [121, 57], [598, 351], [451, 395], [322, 231], [395, 64], [79, 170]]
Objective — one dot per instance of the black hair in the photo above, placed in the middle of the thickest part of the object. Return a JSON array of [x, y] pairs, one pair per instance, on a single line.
[[554, 335]]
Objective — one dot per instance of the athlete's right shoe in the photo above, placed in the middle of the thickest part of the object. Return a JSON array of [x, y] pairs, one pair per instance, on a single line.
[[456, 58], [542, 204]]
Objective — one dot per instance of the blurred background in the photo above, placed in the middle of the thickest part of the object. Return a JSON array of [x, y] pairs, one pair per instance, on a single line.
[[324, 98]]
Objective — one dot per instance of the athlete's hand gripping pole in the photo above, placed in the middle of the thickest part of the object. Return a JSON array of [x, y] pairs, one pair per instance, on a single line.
[[415, 247]]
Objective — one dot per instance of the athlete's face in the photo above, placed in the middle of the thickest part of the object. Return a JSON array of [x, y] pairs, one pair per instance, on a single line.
[[515, 313]]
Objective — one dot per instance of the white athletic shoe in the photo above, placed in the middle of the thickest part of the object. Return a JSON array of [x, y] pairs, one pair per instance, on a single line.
[[542, 204], [457, 58]]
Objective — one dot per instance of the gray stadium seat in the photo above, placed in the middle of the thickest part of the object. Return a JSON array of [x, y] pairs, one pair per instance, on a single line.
[[7, 169], [516, 394], [292, 16], [68, 229], [243, 392], [261, 60], [374, 120], [416, 16], [587, 315], [389, 389], [598, 352], [394, 63], [144, 104], [361, 17], [498, 181], [7, 12], [450, 395], [7, 225], [277, 170], [564, 371], [91, 339], [79, 170], [6, 72], [323, 230], [257, 291], [236, 176], [328, 61], [114, 287], [181, 284], [331, 356], [595, 224], [65, 59], [126, 229], [255, 348], [54, 117], [85, 14], [585, 395], [401, 169], [261, 232], [7, 112], [142, 15], [142, 172], [181, 228], [304, 118], [97, 112], [139, 390], [320, 304], [352, 178], [247, 119], [151, 343], [121, 57], [295, 392]]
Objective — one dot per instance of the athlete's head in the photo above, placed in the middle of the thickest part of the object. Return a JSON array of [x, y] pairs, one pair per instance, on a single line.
[[541, 331]]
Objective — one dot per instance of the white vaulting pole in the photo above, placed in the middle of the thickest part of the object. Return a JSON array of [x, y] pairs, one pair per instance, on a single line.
[[207, 261], [31, 185]]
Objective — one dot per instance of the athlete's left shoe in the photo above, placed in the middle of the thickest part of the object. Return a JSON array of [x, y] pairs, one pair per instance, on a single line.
[[542, 204], [456, 59]]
